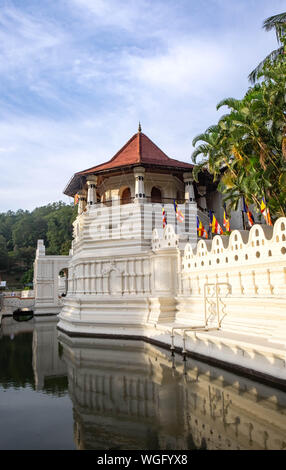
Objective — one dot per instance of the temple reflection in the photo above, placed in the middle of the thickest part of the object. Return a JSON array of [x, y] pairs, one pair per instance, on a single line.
[[132, 395], [30, 354]]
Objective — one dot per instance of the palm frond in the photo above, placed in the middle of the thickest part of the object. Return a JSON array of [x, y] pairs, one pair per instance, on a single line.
[[277, 22], [254, 75], [198, 138], [201, 150], [196, 171], [230, 102], [212, 129]]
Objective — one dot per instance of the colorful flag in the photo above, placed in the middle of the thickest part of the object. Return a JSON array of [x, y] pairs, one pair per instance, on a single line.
[[248, 212], [226, 222], [201, 229], [215, 226], [179, 214], [164, 217], [265, 212], [76, 199]]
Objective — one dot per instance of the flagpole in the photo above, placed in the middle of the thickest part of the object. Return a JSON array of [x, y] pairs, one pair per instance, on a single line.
[[243, 221], [242, 203], [210, 230]]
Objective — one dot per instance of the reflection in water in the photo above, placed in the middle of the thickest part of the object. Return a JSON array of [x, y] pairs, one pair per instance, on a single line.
[[29, 355], [16, 360], [126, 395], [132, 395], [35, 408]]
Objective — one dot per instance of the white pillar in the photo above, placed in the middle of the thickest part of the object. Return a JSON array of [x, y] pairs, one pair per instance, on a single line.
[[139, 184], [91, 190], [202, 201], [189, 188], [81, 201], [114, 196], [41, 250]]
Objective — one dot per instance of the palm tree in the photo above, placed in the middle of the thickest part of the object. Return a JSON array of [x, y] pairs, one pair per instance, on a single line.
[[211, 150], [245, 150], [277, 22]]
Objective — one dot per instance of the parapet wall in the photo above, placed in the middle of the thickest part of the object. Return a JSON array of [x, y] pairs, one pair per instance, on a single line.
[[250, 268], [46, 281], [231, 289], [262, 244]]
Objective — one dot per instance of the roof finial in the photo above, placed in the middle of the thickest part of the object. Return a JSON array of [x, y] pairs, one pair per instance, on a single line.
[[139, 127]]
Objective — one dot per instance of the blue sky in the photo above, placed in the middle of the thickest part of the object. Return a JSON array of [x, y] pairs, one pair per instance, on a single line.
[[76, 76]]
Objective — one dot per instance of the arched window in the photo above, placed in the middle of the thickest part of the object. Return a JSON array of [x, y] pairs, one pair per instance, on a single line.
[[126, 196], [63, 282], [156, 195]]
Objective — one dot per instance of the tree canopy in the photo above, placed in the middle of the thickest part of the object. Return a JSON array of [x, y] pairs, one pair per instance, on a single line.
[[278, 23], [246, 149], [20, 230]]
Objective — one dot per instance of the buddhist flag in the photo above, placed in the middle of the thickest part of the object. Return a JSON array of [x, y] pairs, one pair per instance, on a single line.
[[248, 212], [179, 214], [215, 226], [226, 222], [164, 217], [201, 229], [76, 199], [265, 212]]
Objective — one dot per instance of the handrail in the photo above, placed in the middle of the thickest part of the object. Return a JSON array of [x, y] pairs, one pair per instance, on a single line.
[[184, 328], [119, 201], [218, 300], [206, 326], [167, 199]]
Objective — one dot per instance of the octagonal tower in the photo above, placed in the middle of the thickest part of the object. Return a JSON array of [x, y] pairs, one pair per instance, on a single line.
[[115, 281]]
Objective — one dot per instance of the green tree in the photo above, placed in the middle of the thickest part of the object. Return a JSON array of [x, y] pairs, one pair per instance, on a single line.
[[278, 23], [246, 150], [59, 232], [28, 229], [19, 232], [4, 258]]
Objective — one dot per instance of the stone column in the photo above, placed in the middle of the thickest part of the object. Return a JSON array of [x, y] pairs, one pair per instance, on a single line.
[[139, 184], [81, 201], [91, 191], [202, 200], [189, 188], [114, 196], [190, 222], [41, 250]]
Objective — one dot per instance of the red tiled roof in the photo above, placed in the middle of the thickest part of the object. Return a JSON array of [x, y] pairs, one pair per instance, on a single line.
[[138, 150]]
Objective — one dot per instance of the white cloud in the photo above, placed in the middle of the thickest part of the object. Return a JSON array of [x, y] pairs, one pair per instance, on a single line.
[[181, 68], [98, 70], [25, 39], [47, 153], [140, 17], [121, 14]]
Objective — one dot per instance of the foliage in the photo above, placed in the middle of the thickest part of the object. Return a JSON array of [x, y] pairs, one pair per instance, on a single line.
[[278, 23], [19, 232], [3, 253], [59, 233], [16, 361], [246, 149], [27, 277]]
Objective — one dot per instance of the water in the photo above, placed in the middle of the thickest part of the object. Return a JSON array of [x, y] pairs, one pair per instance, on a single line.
[[58, 392]]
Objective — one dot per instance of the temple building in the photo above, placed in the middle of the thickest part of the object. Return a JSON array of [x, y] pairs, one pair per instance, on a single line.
[[141, 173], [138, 269], [114, 277]]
